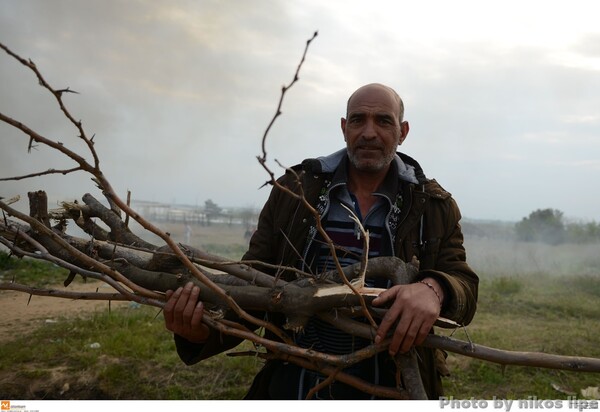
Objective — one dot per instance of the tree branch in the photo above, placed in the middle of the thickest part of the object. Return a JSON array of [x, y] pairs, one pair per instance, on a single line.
[[140, 271]]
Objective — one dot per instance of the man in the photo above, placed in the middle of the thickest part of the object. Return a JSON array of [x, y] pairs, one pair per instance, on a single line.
[[407, 215]]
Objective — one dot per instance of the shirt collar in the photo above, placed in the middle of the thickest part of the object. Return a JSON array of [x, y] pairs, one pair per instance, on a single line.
[[388, 188]]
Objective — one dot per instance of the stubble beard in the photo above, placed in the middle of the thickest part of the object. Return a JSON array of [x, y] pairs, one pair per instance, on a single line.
[[371, 165]]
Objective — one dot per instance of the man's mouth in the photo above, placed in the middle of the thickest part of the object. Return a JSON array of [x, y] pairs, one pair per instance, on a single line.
[[369, 148]]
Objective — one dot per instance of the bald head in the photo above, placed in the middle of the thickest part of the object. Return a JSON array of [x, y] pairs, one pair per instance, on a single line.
[[382, 87], [373, 128]]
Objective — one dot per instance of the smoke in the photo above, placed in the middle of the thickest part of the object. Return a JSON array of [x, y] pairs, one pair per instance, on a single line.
[[492, 257], [178, 95]]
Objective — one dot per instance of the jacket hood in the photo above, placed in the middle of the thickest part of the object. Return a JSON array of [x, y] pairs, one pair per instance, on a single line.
[[408, 168]]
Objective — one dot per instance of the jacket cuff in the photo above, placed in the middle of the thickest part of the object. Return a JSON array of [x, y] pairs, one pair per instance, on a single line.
[[455, 306], [189, 352]]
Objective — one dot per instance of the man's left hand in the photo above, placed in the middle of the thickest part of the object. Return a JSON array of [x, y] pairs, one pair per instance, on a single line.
[[414, 309]]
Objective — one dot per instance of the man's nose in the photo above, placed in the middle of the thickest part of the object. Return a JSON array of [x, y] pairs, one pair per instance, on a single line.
[[369, 130]]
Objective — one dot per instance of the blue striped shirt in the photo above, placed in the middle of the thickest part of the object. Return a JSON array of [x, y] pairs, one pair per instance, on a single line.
[[343, 231]]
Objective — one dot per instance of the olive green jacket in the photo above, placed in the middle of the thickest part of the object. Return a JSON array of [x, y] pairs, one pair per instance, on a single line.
[[428, 229]]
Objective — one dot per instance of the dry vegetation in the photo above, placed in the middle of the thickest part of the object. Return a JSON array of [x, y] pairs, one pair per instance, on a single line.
[[533, 297], [529, 300]]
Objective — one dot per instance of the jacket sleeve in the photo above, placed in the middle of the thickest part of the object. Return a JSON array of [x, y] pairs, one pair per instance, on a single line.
[[191, 353], [261, 247], [449, 264]]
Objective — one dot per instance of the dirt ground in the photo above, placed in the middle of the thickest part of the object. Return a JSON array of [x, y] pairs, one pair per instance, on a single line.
[[20, 313]]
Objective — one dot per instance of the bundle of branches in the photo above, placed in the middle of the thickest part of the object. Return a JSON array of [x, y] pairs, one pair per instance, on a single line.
[[140, 271]]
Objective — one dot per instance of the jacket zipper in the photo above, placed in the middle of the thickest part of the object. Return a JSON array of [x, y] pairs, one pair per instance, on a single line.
[[313, 229]]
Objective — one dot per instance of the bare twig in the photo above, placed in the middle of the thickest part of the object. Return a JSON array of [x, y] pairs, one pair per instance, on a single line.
[[117, 257], [104, 184], [284, 89], [45, 173]]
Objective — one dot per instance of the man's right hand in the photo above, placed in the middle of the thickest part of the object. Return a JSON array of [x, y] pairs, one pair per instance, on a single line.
[[183, 314]]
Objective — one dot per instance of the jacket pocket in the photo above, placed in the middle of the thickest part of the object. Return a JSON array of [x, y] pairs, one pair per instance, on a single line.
[[429, 253]]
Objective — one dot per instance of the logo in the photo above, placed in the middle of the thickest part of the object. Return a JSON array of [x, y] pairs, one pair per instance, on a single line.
[[5, 405]]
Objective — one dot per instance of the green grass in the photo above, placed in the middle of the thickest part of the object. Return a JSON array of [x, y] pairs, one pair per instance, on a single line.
[[525, 310], [136, 359], [30, 271], [233, 252], [530, 313]]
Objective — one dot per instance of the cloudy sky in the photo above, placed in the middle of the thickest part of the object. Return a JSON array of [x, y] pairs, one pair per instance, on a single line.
[[503, 97]]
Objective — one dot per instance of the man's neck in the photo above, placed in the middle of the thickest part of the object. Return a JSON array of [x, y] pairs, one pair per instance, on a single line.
[[365, 182], [363, 185]]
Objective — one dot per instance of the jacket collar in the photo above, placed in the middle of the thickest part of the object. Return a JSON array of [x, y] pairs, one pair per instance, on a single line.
[[389, 186]]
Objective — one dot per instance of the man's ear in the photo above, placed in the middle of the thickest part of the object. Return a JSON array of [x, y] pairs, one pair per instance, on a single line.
[[343, 125], [404, 128]]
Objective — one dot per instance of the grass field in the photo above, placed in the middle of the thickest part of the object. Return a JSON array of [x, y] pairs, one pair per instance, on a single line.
[[532, 313], [532, 298]]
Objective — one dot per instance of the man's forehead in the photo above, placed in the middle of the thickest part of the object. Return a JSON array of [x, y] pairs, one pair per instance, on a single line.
[[363, 111], [375, 107], [373, 98]]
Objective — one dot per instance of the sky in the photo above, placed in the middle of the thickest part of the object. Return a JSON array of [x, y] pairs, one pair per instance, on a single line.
[[502, 97]]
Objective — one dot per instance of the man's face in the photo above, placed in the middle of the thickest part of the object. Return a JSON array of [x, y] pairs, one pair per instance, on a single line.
[[373, 130]]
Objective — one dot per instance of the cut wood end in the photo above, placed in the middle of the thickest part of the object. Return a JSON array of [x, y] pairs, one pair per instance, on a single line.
[[345, 290]]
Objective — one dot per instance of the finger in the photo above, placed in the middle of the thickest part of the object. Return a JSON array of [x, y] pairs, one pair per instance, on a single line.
[[416, 332], [424, 331], [169, 307], [385, 296], [180, 306], [197, 316], [199, 331], [399, 333], [390, 317], [190, 307], [406, 336]]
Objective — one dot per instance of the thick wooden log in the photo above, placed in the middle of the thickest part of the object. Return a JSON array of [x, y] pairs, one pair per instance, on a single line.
[[38, 207]]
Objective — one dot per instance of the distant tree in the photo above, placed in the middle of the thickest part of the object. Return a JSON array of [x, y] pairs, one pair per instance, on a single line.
[[592, 230], [211, 210], [542, 225], [248, 216], [583, 232]]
